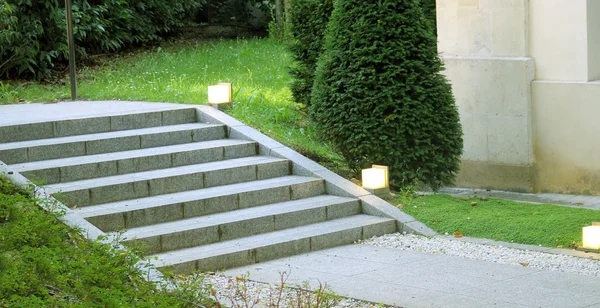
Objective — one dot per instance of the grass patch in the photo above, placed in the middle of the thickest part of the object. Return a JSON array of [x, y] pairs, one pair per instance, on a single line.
[[44, 263], [503, 220], [181, 72]]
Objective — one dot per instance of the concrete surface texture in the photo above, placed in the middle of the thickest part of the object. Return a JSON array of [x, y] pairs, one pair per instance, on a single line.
[[524, 74], [576, 201], [417, 280]]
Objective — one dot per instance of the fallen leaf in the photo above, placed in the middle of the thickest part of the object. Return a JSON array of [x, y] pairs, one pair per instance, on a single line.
[[524, 263], [458, 234], [473, 203], [484, 198]]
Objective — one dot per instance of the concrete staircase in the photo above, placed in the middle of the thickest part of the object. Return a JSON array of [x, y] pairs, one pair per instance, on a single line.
[[195, 196]]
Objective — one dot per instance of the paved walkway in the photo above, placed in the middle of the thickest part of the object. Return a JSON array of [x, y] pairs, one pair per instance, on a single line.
[[411, 279], [577, 201]]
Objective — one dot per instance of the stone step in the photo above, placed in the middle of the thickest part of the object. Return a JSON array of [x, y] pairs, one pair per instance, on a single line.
[[63, 147], [273, 245], [170, 207], [236, 224], [165, 181], [98, 124], [109, 164]]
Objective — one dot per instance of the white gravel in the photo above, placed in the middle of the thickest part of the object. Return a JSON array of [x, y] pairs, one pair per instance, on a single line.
[[486, 252], [263, 294]]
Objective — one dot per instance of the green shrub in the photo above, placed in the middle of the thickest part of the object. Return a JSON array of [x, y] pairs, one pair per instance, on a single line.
[[308, 21], [44, 263], [243, 13], [429, 10], [31, 37], [379, 94], [33, 33]]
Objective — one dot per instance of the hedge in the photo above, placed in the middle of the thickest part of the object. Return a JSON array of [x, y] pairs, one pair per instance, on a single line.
[[379, 94], [308, 21], [33, 32]]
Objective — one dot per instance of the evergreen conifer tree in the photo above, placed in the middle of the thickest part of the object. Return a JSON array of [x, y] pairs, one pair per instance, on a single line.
[[379, 94]]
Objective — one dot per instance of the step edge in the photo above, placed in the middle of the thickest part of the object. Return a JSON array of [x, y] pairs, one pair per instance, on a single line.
[[213, 220], [293, 180], [66, 187], [104, 136], [93, 159], [231, 247]]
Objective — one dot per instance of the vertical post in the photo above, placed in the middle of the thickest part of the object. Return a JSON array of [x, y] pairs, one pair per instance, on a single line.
[[72, 71], [279, 18], [287, 8], [287, 4]]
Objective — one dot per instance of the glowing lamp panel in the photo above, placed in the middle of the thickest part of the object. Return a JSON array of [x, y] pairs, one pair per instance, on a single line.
[[591, 237], [373, 178], [219, 94]]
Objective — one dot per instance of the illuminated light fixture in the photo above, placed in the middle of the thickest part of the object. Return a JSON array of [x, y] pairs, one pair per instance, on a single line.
[[376, 180], [591, 237], [220, 95]]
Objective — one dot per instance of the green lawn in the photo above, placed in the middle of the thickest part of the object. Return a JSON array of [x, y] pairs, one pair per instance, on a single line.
[[181, 73], [503, 220]]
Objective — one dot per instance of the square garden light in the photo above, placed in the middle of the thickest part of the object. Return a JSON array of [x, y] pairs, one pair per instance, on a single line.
[[376, 180], [220, 95], [591, 237]]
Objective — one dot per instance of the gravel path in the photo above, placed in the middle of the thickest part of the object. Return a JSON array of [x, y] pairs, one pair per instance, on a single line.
[[491, 253], [261, 294]]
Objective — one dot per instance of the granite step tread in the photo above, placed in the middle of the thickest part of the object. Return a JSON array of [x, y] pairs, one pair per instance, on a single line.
[[235, 216], [267, 240], [77, 121], [188, 196], [98, 158], [107, 135], [162, 173]]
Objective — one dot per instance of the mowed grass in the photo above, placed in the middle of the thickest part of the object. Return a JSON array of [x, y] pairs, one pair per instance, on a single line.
[[503, 220], [181, 73]]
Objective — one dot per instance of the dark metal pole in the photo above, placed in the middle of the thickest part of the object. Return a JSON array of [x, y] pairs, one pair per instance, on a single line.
[[279, 18], [72, 71]]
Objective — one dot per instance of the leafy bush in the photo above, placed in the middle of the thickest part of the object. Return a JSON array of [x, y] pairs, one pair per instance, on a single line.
[[33, 33], [31, 37], [243, 13], [44, 263], [308, 21], [379, 94]]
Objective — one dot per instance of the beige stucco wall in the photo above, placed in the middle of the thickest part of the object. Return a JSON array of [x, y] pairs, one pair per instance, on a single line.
[[523, 73], [484, 45], [593, 30], [483, 27], [493, 96], [558, 39], [566, 136], [494, 101], [565, 39]]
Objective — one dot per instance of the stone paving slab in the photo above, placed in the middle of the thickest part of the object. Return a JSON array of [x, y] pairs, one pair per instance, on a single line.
[[414, 280], [576, 201], [21, 113]]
